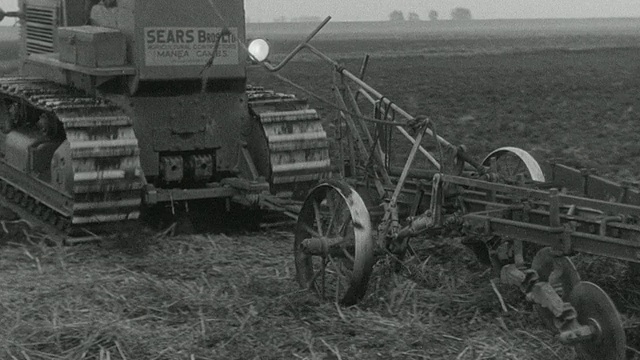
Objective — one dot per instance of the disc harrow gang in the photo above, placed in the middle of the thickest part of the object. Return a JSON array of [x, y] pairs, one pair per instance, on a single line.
[[91, 173], [506, 202]]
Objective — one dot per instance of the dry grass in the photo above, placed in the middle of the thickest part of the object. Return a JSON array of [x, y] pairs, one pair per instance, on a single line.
[[221, 297]]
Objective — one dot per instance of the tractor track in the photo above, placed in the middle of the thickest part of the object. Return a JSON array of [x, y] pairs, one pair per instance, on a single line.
[[94, 181], [94, 175], [298, 144]]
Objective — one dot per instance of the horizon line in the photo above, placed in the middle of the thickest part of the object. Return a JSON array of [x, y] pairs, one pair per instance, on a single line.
[[439, 20], [428, 21]]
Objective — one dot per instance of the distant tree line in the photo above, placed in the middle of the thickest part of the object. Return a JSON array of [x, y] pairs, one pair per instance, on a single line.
[[282, 19], [458, 13], [397, 15]]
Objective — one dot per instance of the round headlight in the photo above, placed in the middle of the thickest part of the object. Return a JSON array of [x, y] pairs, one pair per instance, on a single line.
[[259, 50]]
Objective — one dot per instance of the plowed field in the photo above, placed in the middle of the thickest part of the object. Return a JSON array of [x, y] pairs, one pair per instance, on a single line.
[[568, 97]]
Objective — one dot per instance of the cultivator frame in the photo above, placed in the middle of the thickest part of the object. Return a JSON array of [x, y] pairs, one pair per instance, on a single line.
[[371, 207]]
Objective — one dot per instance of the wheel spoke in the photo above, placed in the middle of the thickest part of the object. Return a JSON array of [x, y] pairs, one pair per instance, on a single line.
[[517, 168], [338, 266], [511, 168], [318, 217], [338, 278], [331, 221], [348, 255], [324, 268], [309, 230], [345, 227], [313, 281], [506, 166], [337, 297], [336, 208]]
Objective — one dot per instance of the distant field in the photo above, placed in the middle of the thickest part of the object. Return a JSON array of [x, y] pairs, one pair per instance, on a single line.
[[9, 33], [439, 38], [449, 29], [8, 49], [445, 38]]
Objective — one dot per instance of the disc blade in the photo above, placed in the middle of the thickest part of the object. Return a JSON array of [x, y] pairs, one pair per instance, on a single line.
[[592, 303]]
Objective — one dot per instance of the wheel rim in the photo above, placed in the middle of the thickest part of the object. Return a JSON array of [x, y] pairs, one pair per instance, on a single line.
[[333, 244], [515, 165]]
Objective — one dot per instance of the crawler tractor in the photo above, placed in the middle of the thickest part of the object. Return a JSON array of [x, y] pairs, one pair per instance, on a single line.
[[128, 105]]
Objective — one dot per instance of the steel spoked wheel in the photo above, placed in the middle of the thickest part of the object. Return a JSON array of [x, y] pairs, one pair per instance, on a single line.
[[514, 165], [334, 248]]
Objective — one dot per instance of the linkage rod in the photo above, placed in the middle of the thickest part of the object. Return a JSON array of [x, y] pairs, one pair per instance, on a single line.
[[305, 45], [405, 133], [302, 45], [371, 90]]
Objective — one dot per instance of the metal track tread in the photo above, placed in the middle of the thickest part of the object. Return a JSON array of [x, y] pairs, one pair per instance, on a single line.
[[97, 165], [298, 145], [54, 225]]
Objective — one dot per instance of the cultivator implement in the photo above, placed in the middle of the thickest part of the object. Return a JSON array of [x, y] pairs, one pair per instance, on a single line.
[[381, 197]]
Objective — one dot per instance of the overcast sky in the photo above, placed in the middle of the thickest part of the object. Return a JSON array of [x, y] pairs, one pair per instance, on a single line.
[[363, 10], [267, 10]]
